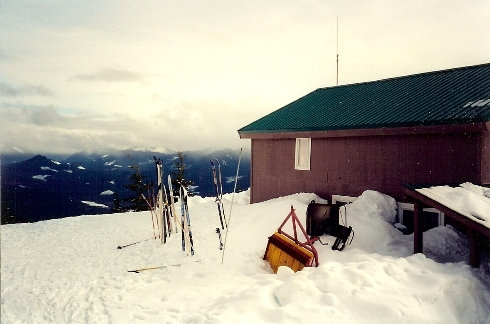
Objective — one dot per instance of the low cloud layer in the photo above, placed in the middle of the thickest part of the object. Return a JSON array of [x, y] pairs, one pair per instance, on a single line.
[[188, 126], [110, 75], [7, 90]]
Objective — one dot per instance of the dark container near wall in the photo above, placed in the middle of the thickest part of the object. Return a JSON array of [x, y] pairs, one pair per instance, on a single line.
[[321, 218]]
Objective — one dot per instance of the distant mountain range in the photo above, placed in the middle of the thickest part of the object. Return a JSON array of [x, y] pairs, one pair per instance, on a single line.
[[40, 187]]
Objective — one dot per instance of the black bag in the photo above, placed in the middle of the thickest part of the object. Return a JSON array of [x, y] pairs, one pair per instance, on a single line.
[[321, 219]]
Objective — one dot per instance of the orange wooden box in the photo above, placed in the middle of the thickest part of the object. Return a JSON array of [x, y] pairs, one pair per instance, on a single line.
[[282, 251]]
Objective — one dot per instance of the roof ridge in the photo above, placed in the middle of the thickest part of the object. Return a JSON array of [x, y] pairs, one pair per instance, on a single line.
[[406, 76]]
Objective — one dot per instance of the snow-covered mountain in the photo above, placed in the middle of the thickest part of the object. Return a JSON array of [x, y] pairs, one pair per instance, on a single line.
[[42, 188]]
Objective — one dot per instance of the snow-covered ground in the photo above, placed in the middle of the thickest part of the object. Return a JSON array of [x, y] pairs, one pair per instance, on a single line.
[[70, 271]]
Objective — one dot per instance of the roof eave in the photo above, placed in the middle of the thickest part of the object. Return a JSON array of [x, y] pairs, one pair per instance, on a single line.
[[472, 127]]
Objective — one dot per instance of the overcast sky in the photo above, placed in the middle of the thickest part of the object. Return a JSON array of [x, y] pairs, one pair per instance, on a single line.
[[83, 75]]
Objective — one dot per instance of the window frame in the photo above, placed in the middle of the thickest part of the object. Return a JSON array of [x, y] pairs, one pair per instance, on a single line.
[[341, 199], [402, 206], [298, 158]]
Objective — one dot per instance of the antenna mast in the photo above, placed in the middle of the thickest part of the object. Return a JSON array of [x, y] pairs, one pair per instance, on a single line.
[[337, 50]]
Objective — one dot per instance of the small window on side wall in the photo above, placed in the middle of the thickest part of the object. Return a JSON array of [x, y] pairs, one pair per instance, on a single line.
[[302, 154]]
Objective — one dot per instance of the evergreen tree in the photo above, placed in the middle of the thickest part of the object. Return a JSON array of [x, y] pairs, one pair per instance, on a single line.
[[178, 176], [7, 217], [138, 187], [117, 206]]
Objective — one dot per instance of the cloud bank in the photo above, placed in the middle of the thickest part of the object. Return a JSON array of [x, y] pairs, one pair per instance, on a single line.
[[188, 126], [110, 75], [7, 90]]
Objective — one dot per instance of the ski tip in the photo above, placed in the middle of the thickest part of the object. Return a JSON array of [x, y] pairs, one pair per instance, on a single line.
[[119, 247], [134, 271]]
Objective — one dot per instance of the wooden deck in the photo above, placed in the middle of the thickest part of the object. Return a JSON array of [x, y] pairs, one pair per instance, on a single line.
[[475, 229]]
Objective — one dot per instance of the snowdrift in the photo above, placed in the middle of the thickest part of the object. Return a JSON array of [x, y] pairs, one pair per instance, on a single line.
[[70, 271]]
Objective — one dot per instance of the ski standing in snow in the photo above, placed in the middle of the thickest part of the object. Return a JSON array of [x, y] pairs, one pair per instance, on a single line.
[[160, 203], [186, 222], [219, 236], [218, 186], [162, 208], [172, 203]]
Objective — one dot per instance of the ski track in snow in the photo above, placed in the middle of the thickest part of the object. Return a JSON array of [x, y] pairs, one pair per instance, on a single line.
[[70, 271]]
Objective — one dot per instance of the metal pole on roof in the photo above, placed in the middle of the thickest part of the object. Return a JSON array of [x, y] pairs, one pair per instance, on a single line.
[[337, 50]]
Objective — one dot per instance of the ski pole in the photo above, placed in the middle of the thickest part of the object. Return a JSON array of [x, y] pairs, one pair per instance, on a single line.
[[161, 267], [151, 211], [123, 246], [232, 199]]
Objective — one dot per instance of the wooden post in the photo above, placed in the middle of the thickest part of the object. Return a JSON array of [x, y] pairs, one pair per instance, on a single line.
[[474, 248], [417, 228]]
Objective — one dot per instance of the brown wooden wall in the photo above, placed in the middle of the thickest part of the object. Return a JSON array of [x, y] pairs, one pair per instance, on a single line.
[[350, 165], [485, 167]]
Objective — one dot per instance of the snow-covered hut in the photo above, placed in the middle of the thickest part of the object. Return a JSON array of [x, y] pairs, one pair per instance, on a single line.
[[424, 128]]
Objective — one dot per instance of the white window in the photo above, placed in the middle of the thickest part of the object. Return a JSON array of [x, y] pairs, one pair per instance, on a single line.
[[302, 154], [339, 199], [432, 217]]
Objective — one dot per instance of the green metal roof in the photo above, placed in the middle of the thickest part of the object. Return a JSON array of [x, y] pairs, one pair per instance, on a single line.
[[455, 96]]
